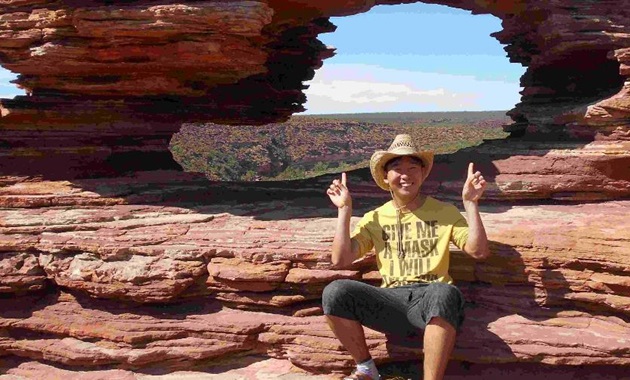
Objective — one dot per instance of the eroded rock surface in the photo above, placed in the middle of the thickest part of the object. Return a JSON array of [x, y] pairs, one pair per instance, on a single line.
[[163, 270], [110, 84], [191, 281]]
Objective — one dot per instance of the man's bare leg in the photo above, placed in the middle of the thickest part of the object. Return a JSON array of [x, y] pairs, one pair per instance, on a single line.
[[350, 334], [439, 340]]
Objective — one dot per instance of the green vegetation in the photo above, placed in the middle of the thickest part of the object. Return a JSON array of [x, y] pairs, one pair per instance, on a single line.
[[308, 146]]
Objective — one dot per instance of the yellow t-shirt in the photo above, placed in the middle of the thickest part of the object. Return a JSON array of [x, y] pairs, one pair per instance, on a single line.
[[427, 232]]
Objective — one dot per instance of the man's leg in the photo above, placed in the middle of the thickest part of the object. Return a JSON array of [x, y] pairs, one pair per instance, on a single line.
[[349, 305], [350, 334], [437, 309], [439, 340]]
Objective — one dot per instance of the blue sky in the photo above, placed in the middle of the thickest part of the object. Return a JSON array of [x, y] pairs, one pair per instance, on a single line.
[[8, 90], [403, 58], [414, 57]]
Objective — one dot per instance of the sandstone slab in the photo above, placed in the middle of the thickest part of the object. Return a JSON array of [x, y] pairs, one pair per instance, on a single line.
[[166, 285]]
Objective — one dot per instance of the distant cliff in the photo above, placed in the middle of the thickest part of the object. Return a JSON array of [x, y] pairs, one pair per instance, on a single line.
[[307, 146]]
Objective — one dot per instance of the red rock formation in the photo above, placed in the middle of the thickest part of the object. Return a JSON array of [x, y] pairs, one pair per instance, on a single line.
[[109, 85], [549, 170], [167, 270], [192, 280]]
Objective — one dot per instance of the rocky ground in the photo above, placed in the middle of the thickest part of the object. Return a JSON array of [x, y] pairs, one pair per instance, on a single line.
[[172, 271]]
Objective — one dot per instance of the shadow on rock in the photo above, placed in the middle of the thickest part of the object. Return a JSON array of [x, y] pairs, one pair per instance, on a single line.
[[306, 198], [501, 292]]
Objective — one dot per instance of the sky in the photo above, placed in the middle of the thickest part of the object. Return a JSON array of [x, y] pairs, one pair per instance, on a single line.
[[405, 58], [8, 90], [414, 58]]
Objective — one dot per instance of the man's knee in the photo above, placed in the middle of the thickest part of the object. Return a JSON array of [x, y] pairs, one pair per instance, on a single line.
[[446, 302], [335, 295]]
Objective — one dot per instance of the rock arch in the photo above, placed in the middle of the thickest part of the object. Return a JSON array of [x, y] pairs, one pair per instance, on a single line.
[[105, 81]]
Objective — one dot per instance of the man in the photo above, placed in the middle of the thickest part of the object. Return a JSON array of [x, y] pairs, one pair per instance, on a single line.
[[411, 235]]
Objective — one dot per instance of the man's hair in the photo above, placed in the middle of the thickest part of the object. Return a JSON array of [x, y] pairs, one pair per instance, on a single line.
[[396, 159]]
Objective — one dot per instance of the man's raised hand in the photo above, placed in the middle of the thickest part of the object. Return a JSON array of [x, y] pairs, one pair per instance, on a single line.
[[474, 185], [338, 192]]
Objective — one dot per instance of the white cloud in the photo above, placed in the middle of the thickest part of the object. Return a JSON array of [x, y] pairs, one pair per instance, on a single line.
[[348, 96], [366, 92], [347, 88], [350, 88]]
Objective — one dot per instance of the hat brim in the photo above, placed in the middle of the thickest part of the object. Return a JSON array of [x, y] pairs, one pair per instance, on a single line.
[[381, 157]]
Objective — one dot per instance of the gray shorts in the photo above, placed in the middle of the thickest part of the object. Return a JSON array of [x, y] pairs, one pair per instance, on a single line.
[[401, 311]]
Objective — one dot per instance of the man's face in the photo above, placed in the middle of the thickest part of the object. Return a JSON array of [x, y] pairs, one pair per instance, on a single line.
[[405, 175]]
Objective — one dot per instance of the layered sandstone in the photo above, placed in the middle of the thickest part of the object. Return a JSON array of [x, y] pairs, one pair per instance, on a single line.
[[164, 270], [202, 274], [109, 85]]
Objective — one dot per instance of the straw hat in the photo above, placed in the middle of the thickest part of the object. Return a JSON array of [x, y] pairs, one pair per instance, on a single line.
[[402, 146]]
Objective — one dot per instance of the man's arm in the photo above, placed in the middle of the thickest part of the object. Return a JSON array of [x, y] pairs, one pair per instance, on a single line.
[[477, 242], [344, 249]]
